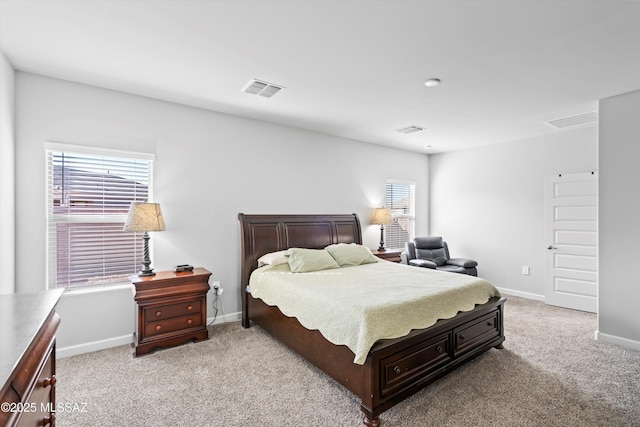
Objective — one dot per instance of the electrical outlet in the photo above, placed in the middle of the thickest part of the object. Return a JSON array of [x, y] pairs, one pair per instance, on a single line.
[[525, 270], [217, 288]]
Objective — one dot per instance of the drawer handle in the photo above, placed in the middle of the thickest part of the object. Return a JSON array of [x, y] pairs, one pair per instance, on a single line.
[[49, 382], [189, 307], [489, 323], [158, 313], [461, 336], [158, 327], [397, 369], [189, 322], [439, 349], [46, 421]]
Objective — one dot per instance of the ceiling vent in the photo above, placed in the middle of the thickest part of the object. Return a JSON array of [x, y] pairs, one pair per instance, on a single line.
[[261, 88], [410, 129], [578, 119]]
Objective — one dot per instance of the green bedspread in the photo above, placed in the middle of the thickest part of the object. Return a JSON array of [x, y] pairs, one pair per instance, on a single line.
[[356, 306]]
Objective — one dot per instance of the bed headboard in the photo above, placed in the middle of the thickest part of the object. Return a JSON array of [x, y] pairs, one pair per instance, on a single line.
[[261, 234]]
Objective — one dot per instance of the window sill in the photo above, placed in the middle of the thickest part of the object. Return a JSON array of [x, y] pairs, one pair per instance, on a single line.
[[97, 289]]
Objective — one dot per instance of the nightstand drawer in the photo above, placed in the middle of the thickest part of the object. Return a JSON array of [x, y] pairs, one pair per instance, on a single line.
[[173, 324], [153, 314]]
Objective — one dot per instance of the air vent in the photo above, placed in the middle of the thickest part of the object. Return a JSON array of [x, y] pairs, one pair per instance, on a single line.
[[410, 129], [261, 88], [578, 119]]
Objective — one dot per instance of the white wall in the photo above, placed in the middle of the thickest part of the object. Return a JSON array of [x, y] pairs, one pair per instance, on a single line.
[[488, 203], [619, 220], [209, 167], [7, 176]]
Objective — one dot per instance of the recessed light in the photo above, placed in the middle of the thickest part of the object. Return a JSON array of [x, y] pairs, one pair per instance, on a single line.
[[427, 147], [432, 82]]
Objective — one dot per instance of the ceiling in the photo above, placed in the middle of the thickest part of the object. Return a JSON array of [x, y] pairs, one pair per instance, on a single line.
[[354, 69]]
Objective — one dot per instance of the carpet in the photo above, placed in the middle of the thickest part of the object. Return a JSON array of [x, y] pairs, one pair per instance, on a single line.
[[551, 372]]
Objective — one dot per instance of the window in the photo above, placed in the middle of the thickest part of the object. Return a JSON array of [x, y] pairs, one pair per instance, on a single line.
[[401, 201], [88, 197]]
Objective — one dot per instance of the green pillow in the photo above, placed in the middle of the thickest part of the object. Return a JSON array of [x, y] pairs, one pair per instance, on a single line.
[[347, 255], [306, 260]]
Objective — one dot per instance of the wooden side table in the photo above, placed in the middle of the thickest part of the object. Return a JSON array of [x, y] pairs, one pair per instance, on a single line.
[[392, 255], [172, 308]]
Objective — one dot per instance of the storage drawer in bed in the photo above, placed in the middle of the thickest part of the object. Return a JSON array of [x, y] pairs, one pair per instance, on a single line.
[[414, 363], [482, 329]]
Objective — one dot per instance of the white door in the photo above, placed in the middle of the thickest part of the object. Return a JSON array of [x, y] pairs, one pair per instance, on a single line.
[[571, 229]]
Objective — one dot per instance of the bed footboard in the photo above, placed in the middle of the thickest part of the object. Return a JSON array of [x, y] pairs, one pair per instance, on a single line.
[[402, 367], [394, 369]]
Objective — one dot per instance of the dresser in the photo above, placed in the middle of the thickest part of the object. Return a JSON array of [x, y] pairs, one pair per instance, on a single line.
[[28, 325], [171, 308]]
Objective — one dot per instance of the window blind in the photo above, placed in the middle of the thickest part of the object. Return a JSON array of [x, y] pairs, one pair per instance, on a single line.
[[400, 199], [88, 198]]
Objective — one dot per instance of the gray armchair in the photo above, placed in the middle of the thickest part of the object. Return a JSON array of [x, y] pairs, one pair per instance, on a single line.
[[433, 252]]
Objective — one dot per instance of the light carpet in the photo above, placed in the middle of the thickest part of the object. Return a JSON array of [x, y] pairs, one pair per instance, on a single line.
[[551, 372]]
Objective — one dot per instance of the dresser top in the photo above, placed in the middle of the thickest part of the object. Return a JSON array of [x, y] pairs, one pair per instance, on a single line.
[[21, 317]]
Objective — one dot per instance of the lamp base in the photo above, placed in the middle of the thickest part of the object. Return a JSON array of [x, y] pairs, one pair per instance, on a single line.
[[146, 261], [381, 248], [145, 273]]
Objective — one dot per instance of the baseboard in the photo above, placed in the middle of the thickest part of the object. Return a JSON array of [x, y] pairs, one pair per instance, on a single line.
[[225, 318], [90, 347], [73, 350], [599, 336], [521, 294], [612, 339]]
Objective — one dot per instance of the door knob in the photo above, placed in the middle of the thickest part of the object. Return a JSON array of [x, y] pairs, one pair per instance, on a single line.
[[552, 247]]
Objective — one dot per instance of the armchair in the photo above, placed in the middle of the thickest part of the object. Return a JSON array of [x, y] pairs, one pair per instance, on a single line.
[[433, 252]]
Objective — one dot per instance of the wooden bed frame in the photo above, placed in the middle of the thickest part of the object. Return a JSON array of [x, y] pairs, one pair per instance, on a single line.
[[394, 369]]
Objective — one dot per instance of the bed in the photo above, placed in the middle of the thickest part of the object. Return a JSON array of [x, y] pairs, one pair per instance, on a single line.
[[393, 369]]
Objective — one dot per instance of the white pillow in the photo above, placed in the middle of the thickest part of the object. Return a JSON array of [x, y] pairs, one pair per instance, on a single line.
[[347, 255], [273, 258], [307, 260]]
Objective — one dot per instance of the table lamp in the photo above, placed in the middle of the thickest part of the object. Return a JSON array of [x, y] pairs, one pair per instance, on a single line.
[[145, 217], [382, 217]]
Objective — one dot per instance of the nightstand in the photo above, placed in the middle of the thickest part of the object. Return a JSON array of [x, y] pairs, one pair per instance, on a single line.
[[392, 255], [172, 308]]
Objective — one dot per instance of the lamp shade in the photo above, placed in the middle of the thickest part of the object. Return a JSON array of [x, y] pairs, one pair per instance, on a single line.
[[382, 216], [144, 217]]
